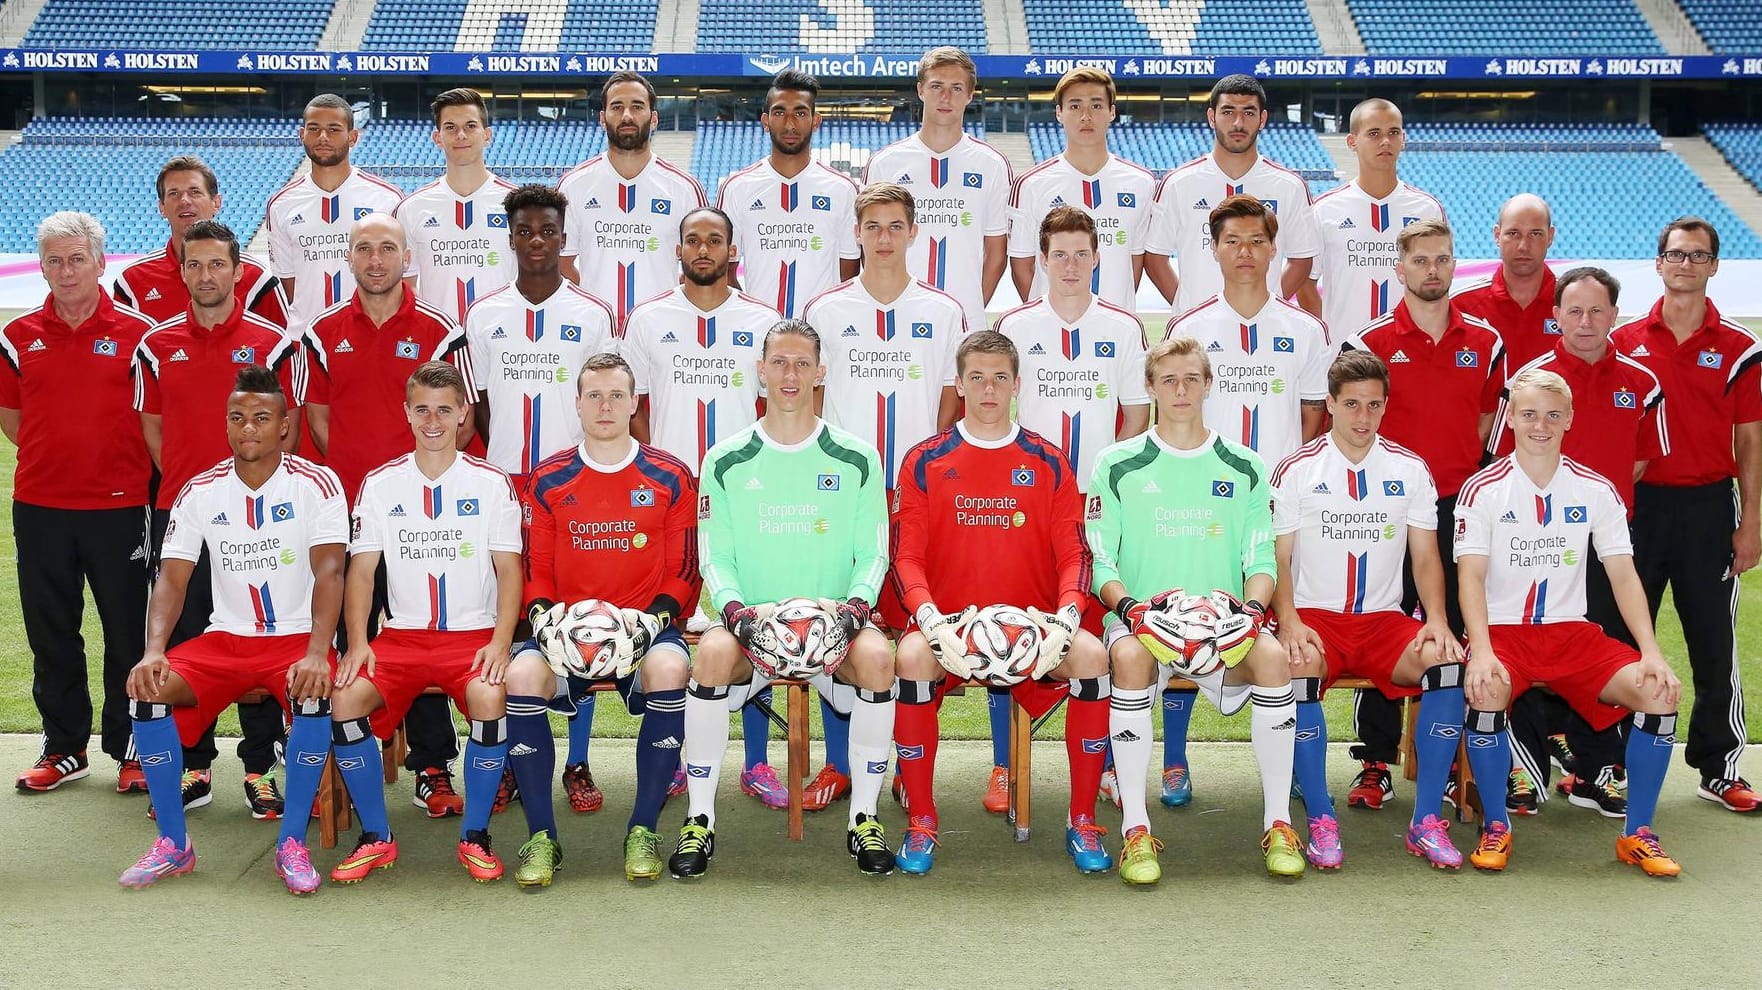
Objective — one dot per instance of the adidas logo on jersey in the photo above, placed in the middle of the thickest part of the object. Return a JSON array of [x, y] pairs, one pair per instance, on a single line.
[[521, 749], [1641, 351], [432, 221], [498, 334], [397, 511], [1036, 349], [593, 203], [1509, 516], [1151, 487], [951, 475], [671, 742], [219, 520], [297, 218], [758, 204], [754, 484], [905, 179], [344, 347], [1321, 489], [1214, 346], [850, 331], [1202, 204], [1347, 224], [178, 355], [1399, 357], [568, 500], [668, 338], [37, 345], [1056, 201], [152, 294]]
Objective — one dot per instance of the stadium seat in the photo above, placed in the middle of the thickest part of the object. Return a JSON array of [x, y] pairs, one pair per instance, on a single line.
[[180, 24], [1726, 25], [1741, 144], [1472, 27], [726, 146], [1175, 27], [572, 26], [1163, 147], [907, 27]]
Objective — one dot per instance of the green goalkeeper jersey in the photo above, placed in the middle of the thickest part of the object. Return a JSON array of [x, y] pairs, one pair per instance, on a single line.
[[1161, 518], [806, 519]]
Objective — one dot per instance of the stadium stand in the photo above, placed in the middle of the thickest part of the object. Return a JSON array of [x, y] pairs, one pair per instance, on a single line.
[[1741, 144], [1177, 27], [179, 24], [1726, 25], [1469, 27], [1164, 147], [903, 26], [724, 146], [572, 25], [521, 151]]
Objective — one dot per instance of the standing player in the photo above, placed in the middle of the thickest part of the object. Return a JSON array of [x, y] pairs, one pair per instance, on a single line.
[[791, 506], [1116, 193], [1182, 507], [447, 528], [455, 225], [794, 217], [183, 369], [275, 527], [1269, 366], [364, 351], [189, 193], [1024, 548], [310, 218], [1357, 223], [614, 520], [1236, 112], [624, 204], [1350, 509], [1686, 515], [78, 498], [1445, 371], [1518, 298], [1524, 525], [960, 183]]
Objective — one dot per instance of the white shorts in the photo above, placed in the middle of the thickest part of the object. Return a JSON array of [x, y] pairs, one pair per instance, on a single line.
[[1229, 698]]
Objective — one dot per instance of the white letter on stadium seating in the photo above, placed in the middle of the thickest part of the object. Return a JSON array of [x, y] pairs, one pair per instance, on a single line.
[[853, 26], [544, 24], [1173, 24]]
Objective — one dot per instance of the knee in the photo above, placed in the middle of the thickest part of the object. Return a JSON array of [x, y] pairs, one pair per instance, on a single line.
[[915, 660], [717, 654], [1268, 664], [663, 670], [485, 701], [529, 676], [1086, 660], [1133, 666], [870, 663], [358, 700]]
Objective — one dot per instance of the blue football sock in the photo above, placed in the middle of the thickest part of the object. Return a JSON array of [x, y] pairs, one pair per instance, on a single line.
[[486, 756], [162, 763], [997, 709], [837, 729], [1489, 756], [1310, 757], [363, 772], [658, 744], [1648, 760], [1437, 731], [533, 756], [580, 729], [1177, 712], [308, 746], [755, 729]]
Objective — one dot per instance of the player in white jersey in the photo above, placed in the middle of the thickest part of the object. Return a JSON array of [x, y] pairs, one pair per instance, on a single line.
[[1082, 356], [310, 218], [625, 204], [961, 185], [1085, 175], [455, 225], [1524, 527], [1236, 112], [1358, 222], [274, 526], [527, 339], [1349, 509], [794, 217]]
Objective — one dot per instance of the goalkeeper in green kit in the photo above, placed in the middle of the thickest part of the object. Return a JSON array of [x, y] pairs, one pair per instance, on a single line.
[[1181, 509]]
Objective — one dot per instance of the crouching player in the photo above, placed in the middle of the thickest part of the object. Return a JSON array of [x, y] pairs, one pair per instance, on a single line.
[[1181, 507], [1524, 525], [615, 520], [1349, 507], [988, 513], [447, 526], [275, 526]]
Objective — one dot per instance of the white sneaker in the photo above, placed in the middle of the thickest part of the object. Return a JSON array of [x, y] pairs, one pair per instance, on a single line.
[[1110, 786], [699, 623]]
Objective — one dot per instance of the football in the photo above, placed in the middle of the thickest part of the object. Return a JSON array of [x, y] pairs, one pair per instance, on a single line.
[[1180, 630], [593, 640], [792, 641], [1003, 644]]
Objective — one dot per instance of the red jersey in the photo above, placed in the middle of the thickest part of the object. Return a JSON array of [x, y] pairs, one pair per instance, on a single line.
[[1617, 415], [1714, 383], [1439, 390], [624, 533], [1528, 331], [183, 374], [154, 284], [988, 522], [360, 371], [78, 445]]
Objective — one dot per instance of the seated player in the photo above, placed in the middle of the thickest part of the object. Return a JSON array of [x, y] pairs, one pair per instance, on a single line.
[[615, 520], [791, 507], [1349, 508], [1524, 526], [446, 525], [1181, 507], [275, 526], [987, 513]]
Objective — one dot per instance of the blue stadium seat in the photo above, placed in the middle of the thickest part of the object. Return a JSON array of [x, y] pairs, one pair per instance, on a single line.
[[1741, 144], [523, 151], [575, 26], [725, 146], [180, 24], [1164, 147], [1471, 27], [900, 26], [1176, 27], [1727, 25]]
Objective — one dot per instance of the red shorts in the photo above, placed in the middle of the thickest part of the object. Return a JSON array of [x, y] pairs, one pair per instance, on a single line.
[[408, 662], [1367, 645], [1575, 659], [1036, 697], [221, 666]]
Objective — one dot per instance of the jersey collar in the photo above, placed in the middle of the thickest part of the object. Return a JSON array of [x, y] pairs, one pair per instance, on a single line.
[[1008, 439], [807, 441], [622, 463], [1204, 448]]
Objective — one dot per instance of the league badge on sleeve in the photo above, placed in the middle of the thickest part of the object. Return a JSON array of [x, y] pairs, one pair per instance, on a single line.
[[703, 507], [1094, 509]]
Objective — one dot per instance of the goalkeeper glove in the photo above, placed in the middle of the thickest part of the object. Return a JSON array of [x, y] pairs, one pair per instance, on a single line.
[[1056, 629], [1131, 611], [946, 641]]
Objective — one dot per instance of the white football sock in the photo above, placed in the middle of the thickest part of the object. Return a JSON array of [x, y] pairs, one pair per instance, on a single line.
[[1273, 733], [706, 739], [1128, 723], [871, 740]]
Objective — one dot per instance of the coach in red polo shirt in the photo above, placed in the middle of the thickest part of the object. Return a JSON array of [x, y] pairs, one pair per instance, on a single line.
[[1518, 299], [1692, 532], [1445, 370], [79, 498]]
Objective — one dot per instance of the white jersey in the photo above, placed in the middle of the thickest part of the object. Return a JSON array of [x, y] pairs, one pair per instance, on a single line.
[[1182, 225], [1351, 522], [1357, 263], [526, 356], [960, 197], [792, 233], [627, 229], [309, 238], [1262, 368], [259, 542], [458, 244], [1075, 377], [886, 365], [1118, 197], [699, 369], [1536, 539], [436, 538]]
